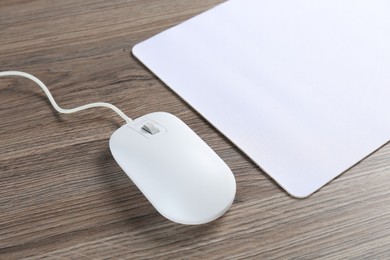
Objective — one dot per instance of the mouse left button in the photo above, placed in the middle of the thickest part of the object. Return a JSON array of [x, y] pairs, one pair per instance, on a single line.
[[150, 128]]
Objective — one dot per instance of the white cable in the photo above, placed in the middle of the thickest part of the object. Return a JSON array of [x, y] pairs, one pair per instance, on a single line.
[[54, 103]]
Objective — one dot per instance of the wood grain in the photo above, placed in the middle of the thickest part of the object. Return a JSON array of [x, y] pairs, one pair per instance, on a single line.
[[62, 196]]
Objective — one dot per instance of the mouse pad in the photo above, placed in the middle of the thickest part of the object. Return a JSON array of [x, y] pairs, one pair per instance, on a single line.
[[302, 87]]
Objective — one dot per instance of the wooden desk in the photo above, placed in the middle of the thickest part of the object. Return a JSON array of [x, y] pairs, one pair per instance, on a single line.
[[63, 196]]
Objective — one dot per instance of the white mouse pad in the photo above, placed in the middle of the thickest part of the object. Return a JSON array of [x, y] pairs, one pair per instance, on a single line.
[[302, 87]]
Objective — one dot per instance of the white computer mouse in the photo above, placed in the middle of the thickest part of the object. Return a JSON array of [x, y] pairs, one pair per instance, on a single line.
[[181, 176]]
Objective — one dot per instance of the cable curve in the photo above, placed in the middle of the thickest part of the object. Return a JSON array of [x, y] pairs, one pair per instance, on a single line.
[[54, 103]]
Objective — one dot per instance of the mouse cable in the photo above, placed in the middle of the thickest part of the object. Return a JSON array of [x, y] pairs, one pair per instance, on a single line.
[[54, 103]]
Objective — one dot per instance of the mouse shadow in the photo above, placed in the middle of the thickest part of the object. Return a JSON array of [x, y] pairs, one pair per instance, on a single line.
[[139, 214]]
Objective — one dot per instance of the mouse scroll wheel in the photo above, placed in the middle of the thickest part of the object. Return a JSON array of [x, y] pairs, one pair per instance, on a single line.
[[150, 128]]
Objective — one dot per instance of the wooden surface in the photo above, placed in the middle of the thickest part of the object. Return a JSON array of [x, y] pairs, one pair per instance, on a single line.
[[62, 196]]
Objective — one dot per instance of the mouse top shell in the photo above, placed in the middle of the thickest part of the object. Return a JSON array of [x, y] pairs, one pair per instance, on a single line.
[[181, 176]]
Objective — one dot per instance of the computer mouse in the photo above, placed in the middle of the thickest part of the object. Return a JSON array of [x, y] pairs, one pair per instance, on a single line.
[[180, 175]]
